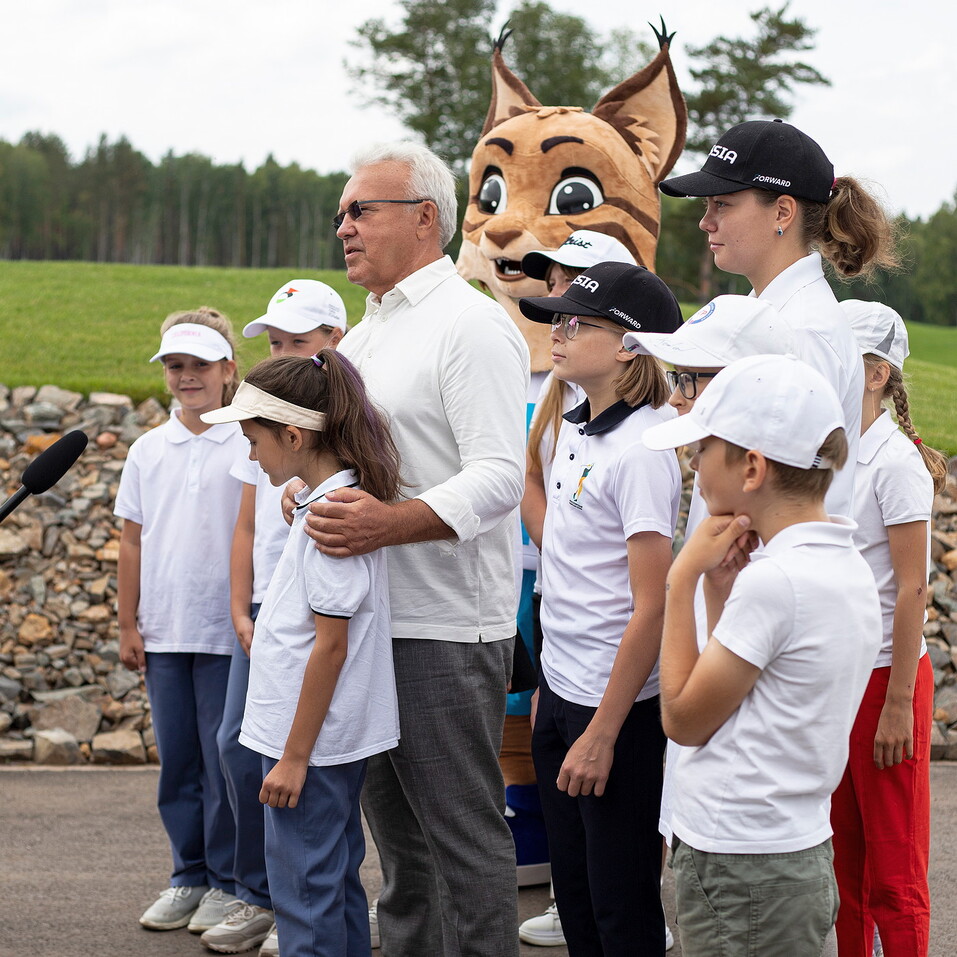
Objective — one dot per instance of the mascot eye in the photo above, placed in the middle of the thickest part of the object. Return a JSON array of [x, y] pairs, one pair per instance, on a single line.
[[574, 194], [493, 196]]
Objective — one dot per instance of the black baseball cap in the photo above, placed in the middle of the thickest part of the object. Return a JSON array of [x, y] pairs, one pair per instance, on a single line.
[[629, 295], [761, 154]]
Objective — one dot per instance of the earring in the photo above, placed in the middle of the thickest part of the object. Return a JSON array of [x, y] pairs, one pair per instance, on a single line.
[[780, 231]]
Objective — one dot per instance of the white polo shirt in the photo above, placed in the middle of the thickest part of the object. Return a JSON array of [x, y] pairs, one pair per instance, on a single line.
[[363, 716], [450, 368], [824, 339], [271, 532], [177, 486], [604, 487], [893, 487], [805, 612]]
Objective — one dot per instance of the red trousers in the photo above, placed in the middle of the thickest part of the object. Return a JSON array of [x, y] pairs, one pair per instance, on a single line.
[[881, 822]]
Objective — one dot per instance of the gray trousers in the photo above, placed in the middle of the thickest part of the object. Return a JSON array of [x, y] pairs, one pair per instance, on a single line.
[[435, 806]]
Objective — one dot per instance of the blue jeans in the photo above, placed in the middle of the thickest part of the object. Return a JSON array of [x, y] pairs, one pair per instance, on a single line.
[[313, 855], [186, 693], [242, 770]]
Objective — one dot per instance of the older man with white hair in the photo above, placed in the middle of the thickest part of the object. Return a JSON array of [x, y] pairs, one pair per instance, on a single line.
[[451, 370]]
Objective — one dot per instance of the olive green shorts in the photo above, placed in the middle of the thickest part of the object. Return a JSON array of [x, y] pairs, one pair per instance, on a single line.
[[754, 905]]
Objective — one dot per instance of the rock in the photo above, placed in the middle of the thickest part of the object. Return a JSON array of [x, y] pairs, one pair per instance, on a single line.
[[40, 443], [61, 398], [106, 440], [14, 749], [120, 681], [118, 747], [949, 560], [9, 688], [11, 544], [36, 629], [55, 747], [111, 399], [80, 718]]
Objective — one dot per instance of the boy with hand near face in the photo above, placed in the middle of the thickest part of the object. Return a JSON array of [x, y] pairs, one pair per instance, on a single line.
[[765, 708]]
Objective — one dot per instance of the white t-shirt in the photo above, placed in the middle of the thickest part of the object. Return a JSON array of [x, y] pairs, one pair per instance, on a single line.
[[605, 486], [893, 487], [177, 486], [363, 717], [697, 513], [806, 613], [271, 528], [450, 368], [824, 340]]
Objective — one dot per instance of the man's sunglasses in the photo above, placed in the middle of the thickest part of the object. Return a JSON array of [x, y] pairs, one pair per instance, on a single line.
[[355, 209]]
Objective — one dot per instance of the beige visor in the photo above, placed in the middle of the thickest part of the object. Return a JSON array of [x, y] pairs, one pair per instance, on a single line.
[[252, 403]]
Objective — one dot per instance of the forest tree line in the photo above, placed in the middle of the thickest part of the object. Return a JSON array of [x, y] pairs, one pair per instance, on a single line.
[[115, 205]]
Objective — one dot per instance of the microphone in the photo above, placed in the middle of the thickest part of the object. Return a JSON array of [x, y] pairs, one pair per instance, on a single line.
[[47, 469]]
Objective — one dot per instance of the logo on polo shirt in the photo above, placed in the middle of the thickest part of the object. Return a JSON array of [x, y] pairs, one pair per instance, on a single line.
[[582, 280], [575, 498]]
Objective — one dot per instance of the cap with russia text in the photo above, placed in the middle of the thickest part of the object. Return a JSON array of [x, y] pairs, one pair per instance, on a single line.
[[631, 296], [762, 154]]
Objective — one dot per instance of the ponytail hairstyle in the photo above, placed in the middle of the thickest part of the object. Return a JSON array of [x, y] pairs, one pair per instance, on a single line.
[[895, 390], [356, 432], [852, 230], [207, 316]]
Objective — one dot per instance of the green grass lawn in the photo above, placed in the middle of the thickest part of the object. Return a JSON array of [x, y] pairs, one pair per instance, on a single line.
[[92, 327]]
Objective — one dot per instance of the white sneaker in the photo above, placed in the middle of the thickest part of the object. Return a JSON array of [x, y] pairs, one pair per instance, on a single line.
[[374, 924], [544, 930], [212, 910], [173, 908], [244, 927], [270, 947]]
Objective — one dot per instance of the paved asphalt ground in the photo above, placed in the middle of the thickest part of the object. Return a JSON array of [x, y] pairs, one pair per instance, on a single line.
[[82, 854]]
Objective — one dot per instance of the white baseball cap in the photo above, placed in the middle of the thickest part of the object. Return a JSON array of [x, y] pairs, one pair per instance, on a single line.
[[727, 329], [582, 249], [879, 330], [777, 405], [194, 339], [301, 306]]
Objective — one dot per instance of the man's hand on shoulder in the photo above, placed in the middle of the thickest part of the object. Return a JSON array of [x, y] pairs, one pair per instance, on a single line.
[[350, 522]]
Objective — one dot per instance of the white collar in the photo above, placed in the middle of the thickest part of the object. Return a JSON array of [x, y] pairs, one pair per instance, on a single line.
[[785, 284], [178, 433], [342, 479], [876, 436], [838, 531], [415, 287]]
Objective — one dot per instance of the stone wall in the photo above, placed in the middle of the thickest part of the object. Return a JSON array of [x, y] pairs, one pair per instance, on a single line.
[[64, 696]]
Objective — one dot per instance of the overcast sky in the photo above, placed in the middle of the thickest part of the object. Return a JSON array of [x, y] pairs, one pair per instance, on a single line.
[[238, 80]]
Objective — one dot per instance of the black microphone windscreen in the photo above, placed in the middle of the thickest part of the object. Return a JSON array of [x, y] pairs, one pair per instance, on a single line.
[[52, 464]]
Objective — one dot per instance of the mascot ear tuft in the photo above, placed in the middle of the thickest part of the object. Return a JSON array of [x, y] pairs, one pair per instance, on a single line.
[[663, 36], [649, 112], [505, 33], [510, 96]]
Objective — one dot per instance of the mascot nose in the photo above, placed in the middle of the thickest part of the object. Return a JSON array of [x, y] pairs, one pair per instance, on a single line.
[[503, 238]]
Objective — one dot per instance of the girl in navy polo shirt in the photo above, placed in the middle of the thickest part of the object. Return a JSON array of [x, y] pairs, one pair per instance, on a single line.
[[597, 741]]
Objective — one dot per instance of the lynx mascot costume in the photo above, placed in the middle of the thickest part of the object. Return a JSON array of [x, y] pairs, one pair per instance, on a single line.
[[541, 172]]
